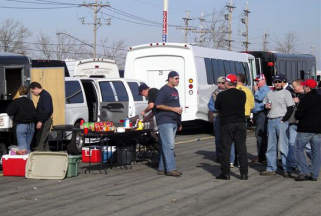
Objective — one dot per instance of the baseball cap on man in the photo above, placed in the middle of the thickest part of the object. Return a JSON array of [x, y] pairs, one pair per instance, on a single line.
[[231, 78], [142, 87], [277, 77], [172, 74], [259, 77], [309, 82], [221, 79]]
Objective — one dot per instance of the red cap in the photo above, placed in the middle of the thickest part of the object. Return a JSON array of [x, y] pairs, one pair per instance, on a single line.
[[231, 78], [310, 82], [259, 77]]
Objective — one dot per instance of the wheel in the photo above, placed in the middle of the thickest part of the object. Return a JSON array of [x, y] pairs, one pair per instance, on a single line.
[[75, 145]]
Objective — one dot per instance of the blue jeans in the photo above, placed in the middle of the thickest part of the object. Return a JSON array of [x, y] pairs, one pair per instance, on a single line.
[[216, 126], [167, 134], [292, 131], [277, 137], [302, 140], [261, 133], [24, 135]]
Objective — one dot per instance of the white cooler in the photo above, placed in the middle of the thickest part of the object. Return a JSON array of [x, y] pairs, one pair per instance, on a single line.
[[5, 121]]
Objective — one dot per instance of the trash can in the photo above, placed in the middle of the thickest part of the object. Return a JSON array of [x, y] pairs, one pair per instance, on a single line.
[[73, 164]]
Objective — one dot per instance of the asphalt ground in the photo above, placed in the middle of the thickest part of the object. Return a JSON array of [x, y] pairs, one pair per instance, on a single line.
[[140, 191]]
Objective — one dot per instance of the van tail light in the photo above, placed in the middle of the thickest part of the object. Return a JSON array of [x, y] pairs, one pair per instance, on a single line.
[[270, 64]]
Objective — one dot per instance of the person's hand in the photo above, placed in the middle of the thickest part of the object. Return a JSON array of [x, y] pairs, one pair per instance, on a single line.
[[39, 124], [177, 110], [296, 100], [180, 128], [256, 87], [142, 113], [268, 106]]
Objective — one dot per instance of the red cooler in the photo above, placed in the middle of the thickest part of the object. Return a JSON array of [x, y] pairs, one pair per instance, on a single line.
[[94, 155], [14, 165]]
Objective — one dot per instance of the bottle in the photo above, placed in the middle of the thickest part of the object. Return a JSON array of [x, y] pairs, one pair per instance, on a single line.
[[126, 122], [140, 125]]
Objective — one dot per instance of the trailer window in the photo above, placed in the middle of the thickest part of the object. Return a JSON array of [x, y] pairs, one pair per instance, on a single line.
[[134, 89], [73, 92], [240, 70], [120, 91], [246, 70], [107, 92], [216, 70], [209, 71]]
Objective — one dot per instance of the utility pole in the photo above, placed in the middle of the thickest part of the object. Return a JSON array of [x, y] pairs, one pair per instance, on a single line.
[[228, 16], [97, 22], [246, 22], [165, 22], [312, 49], [186, 28], [265, 42], [202, 31]]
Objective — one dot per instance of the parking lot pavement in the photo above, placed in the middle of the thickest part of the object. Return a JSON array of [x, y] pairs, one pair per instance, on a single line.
[[140, 191]]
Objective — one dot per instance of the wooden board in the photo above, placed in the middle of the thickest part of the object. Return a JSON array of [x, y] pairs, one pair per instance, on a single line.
[[53, 81]]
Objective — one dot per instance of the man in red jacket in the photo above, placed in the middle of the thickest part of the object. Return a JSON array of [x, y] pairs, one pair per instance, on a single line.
[[309, 130]]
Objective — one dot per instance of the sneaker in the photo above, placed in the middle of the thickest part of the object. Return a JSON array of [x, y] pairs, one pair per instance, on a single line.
[[231, 165], [302, 177], [287, 174], [174, 173], [267, 173], [161, 172]]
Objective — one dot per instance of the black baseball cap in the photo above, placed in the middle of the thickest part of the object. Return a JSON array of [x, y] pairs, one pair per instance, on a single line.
[[172, 74], [141, 88]]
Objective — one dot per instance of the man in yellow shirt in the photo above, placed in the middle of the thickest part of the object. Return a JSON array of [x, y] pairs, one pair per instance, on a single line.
[[249, 105]]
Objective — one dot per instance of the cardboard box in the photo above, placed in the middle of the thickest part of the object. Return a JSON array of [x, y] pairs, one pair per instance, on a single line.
[[92, 156], [5, 121], [14, 165]]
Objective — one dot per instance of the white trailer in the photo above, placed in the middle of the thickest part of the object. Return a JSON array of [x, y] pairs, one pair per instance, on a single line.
[[198, 68]]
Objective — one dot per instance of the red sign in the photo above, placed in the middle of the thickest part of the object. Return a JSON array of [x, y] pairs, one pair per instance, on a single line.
[[164, 22]]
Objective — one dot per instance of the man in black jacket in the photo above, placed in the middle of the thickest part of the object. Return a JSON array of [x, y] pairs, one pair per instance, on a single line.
[[44, 111], [231, 106], [309, 130]]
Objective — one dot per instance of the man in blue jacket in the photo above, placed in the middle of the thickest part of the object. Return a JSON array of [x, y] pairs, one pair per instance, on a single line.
[[260, 115]]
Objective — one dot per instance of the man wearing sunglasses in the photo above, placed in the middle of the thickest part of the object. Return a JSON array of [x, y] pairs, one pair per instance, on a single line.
[[168, 118], [260, 116], [280, 104], [216, 116]]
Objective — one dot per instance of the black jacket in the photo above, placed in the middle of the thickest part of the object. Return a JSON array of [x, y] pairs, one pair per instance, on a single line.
[[44, 108], [309, 112], [23, 110]]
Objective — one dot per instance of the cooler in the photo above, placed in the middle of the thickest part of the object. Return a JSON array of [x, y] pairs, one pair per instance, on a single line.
[[73, 164], [14, 165], [94, 155], [5, 121], [108, 152]]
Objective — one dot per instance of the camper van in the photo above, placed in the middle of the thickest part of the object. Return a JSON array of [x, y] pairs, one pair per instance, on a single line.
[[198, 68], [96, 68]]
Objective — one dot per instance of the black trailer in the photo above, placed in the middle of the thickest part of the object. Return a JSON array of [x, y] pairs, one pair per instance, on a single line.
[[14, 72], [294, 66]]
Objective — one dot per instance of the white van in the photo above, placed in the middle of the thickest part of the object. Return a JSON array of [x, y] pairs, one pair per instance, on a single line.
[[96, 68], [198, 68], [99, 100]]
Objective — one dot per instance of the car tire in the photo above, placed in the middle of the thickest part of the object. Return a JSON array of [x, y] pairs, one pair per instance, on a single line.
[[75, 145]]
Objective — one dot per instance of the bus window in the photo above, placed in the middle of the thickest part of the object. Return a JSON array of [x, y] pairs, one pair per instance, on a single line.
[[227, 67], [232, 67], [247, 71], [209, 71], [221, 67], [253, 68], [216, 70], [240, 70], [294, 73]]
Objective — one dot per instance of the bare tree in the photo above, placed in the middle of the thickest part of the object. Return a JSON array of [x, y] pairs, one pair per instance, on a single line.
[[218, 30], [12, 36], [289, 44], [68, 47], [115, 51]]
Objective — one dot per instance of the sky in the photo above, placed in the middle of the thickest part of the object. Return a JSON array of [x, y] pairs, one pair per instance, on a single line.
[[140, 21]]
